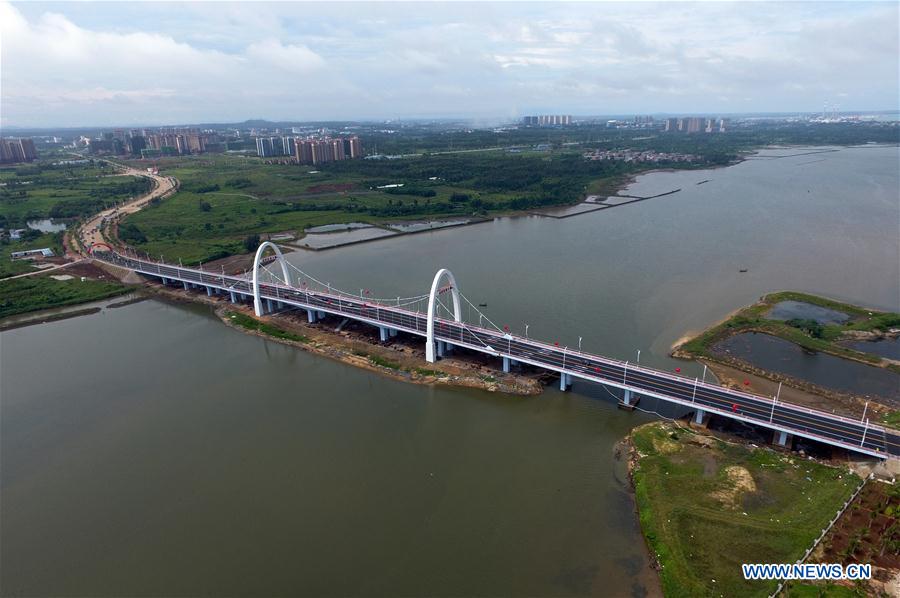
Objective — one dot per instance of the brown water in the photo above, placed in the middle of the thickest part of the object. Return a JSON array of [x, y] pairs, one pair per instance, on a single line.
[[150, 450]]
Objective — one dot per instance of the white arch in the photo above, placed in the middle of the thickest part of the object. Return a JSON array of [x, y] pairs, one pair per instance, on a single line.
[[257, 301], [457, 312]]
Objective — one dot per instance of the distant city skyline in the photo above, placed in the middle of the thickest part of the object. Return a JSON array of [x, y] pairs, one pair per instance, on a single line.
[[145, 64]]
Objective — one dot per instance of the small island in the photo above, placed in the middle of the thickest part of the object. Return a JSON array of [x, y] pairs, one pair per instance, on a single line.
[[843, 354]]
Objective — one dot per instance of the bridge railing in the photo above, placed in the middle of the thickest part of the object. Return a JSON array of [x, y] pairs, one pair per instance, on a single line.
[[495, 334]]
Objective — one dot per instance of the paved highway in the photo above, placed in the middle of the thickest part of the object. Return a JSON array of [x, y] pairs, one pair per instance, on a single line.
[[793, 419]]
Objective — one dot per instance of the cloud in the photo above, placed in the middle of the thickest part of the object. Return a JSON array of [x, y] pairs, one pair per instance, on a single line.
[[148, 63]]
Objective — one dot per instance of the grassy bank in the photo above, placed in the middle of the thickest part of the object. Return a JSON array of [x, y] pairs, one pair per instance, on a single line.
[[706, 506], [813, 338], [245, 321], [34, 293]]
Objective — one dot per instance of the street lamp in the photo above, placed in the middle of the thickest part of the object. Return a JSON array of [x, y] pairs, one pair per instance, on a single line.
[[526, 330], [639, 356], [704, 373], [579, 344]]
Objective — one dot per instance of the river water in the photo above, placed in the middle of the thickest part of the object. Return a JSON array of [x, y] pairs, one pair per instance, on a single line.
[[150, 450]]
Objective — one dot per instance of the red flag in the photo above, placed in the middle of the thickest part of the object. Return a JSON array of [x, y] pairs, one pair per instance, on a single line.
[[678, 370]]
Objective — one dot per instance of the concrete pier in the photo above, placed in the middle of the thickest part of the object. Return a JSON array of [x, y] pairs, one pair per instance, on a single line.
[[382, 333], [629, 401], [310, 316], [565, 382], [783, 439], [209, 291], [185, 286], [233, 298], [701, 418], [506, 363]]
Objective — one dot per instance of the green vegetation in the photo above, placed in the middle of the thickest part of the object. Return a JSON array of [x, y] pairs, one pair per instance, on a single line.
[[385, 363], [32, 239], [706, 506], [245, 321], [806, 333], [825, 590], [225, 199], [43, 190], [34, 293], [427, 372], [891, 418]]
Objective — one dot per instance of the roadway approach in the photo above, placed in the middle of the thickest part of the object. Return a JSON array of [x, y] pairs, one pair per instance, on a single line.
[[441, 334]]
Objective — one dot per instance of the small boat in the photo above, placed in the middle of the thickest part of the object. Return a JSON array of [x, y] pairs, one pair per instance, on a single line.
[[482, 305], [742, 270]]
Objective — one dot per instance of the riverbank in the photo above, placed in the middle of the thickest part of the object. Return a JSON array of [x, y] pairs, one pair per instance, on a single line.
[[815, 325], [354, 344], [696, 494], [81, 283]]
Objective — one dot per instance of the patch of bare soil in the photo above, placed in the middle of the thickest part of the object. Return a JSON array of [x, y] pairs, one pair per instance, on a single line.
[[868, 532], [738, 482]]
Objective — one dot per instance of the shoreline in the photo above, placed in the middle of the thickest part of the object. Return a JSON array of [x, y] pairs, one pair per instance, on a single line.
[[397, 361], [752, 319]]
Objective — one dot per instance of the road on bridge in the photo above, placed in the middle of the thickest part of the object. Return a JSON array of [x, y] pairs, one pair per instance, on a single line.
[[793, 419]]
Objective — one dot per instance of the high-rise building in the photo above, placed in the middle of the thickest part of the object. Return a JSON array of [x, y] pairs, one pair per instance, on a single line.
[[17, 150], [287, 144], [136, 144], [547, 120], [264, 147]]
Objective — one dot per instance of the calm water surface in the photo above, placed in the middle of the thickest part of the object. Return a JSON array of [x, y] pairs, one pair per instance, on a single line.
[[777, 355], [149, 450]]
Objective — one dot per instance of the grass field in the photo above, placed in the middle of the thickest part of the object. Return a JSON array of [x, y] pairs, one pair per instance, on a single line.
[[225, 198], [41, 292], [11, 267], [704, 510], [41, 191]]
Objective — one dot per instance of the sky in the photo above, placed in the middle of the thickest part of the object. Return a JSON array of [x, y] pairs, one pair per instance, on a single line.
[[150, 63]]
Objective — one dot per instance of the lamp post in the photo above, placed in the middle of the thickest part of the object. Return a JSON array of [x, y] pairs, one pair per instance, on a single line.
[[579, 344], [704, 373], [526, 330], [639, 356]]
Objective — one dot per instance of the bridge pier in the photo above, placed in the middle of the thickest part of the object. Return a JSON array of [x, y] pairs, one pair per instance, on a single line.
[[321, 315], [440, 348], [383, 333], [565, 381], [392, 331], [209, 291], [506, 363], [310, 316], [233, 298], [629, 401], [270, 308], [783, 439], [186, 288], [700, 418]]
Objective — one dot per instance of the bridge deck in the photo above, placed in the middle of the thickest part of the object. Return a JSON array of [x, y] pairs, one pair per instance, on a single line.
[[793, 419]]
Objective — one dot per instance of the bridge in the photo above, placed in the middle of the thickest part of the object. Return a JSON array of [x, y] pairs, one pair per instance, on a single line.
[[443, 328]]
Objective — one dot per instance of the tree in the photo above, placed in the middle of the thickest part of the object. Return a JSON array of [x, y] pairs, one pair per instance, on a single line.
[[251, 243], [204, 206]]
